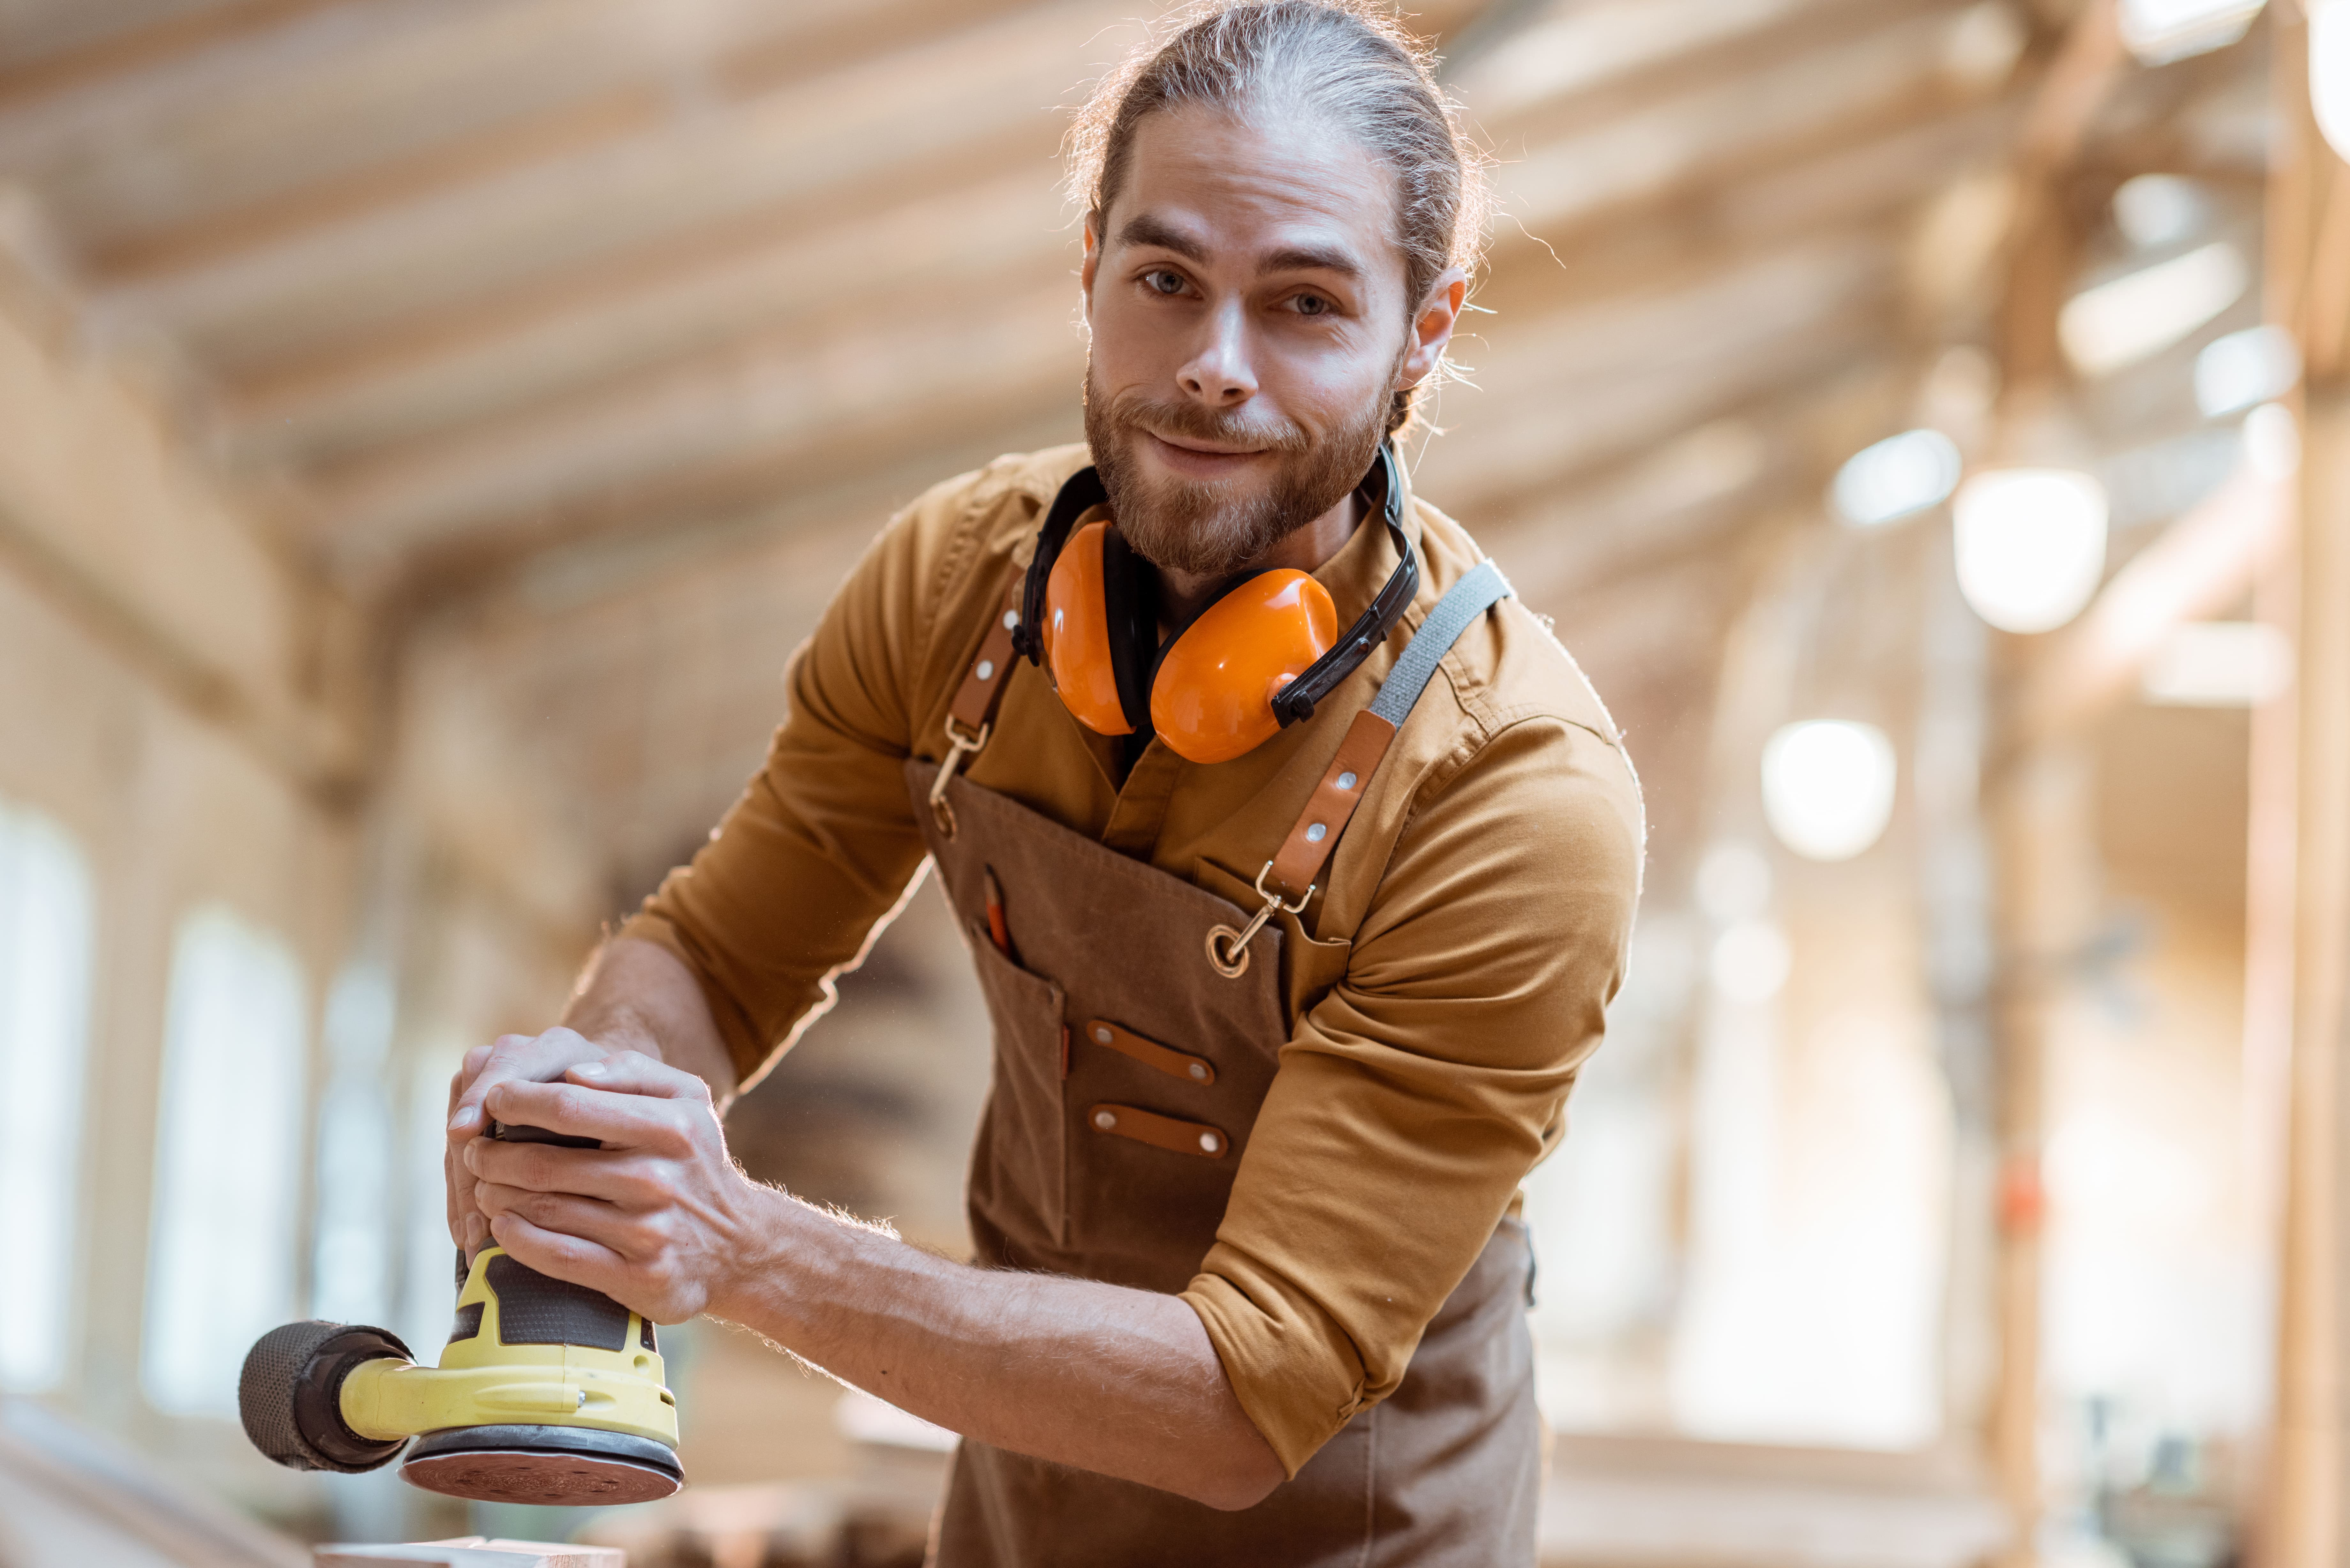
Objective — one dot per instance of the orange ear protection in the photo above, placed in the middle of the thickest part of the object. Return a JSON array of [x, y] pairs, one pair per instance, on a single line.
[[1254, 660]]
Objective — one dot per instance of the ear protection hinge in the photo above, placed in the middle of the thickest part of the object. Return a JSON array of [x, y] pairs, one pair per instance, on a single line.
[[1228, 949]]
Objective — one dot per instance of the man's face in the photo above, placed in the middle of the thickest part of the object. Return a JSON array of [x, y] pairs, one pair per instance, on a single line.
[[1249, 333]]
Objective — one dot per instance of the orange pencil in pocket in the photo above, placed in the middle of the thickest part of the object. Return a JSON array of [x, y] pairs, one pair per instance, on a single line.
[[998, 932]]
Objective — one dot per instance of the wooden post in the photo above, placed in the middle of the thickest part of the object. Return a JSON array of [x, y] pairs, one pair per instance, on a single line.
[[2301, 836]]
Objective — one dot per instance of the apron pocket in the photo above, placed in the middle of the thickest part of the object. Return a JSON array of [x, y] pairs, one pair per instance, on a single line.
[[1019, 1172]]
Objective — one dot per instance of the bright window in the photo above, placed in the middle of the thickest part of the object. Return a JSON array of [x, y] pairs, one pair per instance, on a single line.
[[228, 1160], [45, 978]]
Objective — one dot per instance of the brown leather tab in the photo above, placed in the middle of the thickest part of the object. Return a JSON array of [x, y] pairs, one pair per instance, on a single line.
[[1150, 1053], [1160, 1131], [990, 671], [1299, 864]]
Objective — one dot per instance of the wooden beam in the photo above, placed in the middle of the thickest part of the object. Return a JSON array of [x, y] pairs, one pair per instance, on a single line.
[[1009, 237], [641, 319], [2298, 903], [941, 111], [1581, 383], [486, 92], [1812, 102], [176, 32], [2032, 801]]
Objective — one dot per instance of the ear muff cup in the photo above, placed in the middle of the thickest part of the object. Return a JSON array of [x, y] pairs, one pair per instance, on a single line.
[[1209, 692], [1212, 696], [1101, 630]]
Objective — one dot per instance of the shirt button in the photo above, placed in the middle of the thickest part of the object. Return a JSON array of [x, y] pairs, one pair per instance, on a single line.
[[1199, 1069], [1104, 1120], [1211, 1142]]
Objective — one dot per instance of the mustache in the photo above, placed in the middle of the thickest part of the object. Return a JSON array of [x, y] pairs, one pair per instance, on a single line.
[[1190, 421]]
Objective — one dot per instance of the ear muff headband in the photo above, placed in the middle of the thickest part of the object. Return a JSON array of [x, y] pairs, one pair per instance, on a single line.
[[1129, 641]]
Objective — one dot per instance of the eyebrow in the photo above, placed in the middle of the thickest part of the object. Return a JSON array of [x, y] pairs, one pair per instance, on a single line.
[[1145, 230]]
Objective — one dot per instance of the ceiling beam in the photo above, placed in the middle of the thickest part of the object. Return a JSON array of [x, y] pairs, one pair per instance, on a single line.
[[406, 390], [95, 54], [940, 111]]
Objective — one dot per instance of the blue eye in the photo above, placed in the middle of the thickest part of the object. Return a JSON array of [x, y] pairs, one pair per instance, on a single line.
[[1313, 305], [1162, 281]]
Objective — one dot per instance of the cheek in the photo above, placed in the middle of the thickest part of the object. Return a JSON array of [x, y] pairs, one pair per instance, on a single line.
[[1324, 387]]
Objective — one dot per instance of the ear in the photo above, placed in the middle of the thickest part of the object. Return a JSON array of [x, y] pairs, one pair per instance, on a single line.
[[1431, 329], [1091, 265]]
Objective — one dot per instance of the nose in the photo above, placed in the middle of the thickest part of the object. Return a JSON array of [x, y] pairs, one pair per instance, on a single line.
[[1219, 374]]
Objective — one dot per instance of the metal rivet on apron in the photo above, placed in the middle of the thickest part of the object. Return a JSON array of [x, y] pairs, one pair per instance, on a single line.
[[1199, 1070], [986, 671], [1102, 1035], [1010, 620], [1346, 781], [1209, 1142], [1315, 833], [1104, 1120]]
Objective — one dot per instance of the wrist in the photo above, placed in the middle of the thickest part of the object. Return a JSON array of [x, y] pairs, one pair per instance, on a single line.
[[781, 1250]]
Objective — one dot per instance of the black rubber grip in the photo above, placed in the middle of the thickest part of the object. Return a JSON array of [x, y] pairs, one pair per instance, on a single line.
[[468, 1323], [505, 1133], [534, 1309], [289, 1394]]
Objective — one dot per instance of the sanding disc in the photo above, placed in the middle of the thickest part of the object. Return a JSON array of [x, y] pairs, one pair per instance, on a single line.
[[549, 1466]]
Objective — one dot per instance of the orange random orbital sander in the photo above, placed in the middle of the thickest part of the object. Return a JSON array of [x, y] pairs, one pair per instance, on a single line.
[[546, 1392]]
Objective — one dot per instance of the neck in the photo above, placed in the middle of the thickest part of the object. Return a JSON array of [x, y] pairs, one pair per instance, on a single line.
[[1183, 595]]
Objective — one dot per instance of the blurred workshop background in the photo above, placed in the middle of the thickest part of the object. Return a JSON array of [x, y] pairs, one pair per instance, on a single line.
[[427, 426]]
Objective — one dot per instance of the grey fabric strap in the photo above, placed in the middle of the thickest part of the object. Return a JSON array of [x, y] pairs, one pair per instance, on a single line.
[[1471, 597]]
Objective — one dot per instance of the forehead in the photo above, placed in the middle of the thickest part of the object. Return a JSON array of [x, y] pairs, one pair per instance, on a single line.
[[1243, 187]]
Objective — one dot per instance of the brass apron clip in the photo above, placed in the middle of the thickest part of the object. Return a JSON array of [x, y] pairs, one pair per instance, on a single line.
[[1228, 949], [960, 743]]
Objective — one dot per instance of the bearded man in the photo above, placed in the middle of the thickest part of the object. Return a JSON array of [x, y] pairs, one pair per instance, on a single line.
[[1298, 862]]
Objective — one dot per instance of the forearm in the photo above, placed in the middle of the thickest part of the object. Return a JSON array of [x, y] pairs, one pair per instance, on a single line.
[[637, 996], [1120, 1382]]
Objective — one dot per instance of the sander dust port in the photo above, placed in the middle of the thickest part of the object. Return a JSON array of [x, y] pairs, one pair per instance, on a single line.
[[546, 1393]]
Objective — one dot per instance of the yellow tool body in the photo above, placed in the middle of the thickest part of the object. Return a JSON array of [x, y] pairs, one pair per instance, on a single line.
[[483, 1380]]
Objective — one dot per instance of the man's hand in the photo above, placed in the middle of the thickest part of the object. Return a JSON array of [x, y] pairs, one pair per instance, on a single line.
[[660, 1218], [529, 1058]]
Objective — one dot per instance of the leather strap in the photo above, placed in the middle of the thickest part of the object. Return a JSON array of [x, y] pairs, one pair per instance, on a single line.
[[1195, 1138], [1150, 1053], [1297, 867], [1335, 799], [976, 699], [971, 717]]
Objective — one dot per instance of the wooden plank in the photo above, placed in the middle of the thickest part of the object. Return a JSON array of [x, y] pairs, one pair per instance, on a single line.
[[93, 53]]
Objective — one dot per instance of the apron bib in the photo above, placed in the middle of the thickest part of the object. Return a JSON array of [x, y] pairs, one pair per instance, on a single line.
[[1130, 1061]]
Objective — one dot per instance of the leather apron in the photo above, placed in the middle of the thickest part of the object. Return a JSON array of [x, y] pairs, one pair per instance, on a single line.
[[1129, 1064]]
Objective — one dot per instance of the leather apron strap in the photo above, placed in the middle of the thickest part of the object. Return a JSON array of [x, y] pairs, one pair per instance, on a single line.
[[1289, 879], [971, 717]]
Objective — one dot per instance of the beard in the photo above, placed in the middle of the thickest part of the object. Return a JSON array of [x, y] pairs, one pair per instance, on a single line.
[[1203, 528]]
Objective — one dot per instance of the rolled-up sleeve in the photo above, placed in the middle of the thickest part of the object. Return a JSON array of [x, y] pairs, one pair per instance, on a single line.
[[819, 848], [1413, 1099]]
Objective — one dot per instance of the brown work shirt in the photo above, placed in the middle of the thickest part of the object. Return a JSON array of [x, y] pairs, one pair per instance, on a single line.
[[1442, 986]]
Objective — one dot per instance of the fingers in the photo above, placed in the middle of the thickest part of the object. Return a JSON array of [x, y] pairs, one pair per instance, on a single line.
[[516, 1057], [571, 1258], [618, 1179], [616, 1120], [457, 1181], [633, 1073]]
